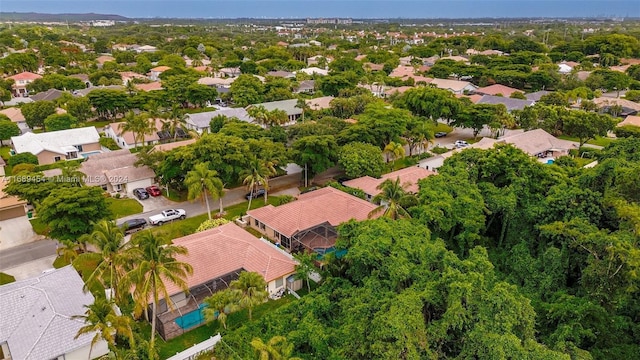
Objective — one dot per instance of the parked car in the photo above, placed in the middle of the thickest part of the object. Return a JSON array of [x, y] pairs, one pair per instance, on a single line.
[[167, 215], [440, 134], [141, 193], [133, 225], [461, 143], [153, 190], [255, 194]]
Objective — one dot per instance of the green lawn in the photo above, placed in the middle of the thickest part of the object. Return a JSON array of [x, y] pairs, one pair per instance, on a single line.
[[440, 127], [123, 207], [598, 141], [99, 124], [235, 320], [39, 227], [174, 195], [188, 226], [4, 153], [6, 278]]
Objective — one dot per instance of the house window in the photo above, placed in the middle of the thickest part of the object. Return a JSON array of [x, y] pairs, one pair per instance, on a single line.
[[262, 227], [279, 283], [276, 235], [256, 222], [57, 158], [79, 147], [104, 187]]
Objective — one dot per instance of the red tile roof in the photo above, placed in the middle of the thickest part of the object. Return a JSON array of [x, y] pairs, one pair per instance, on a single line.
[[156, 85], [160, 68], [25, 76], [497, 89], [326, 205], [408, 178], [219, 251]]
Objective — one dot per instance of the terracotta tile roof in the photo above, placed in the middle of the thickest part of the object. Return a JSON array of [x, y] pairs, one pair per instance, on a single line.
[[14, 114], [326, 205], [630, 61], [399, 90], [402, 71], [227, 248], [104, 58], [497, 89], [630, 120], [536, 141], [156, 85], [173, 145], [408, 178], [25, 76], [320, 103], [160, 68], [474, 97], [373, 67]]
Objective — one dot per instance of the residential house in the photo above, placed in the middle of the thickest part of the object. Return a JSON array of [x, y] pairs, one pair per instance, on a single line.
[[154, 74], [536, 96], [315, 60], [231, 72], [83, 77], [152, 86], [115, 172], [319, 103], [373, 67], [288, 106], [497, 90], [509, 103], [54, 146], [20, 82], [430, 61], [309, 222], [200, 121], [146, 48], [306, 87], [126, 140], [630, 120], [216, 82], [408, 179], [455, 86], [218, 256], [628, 107], [566, 67], [282, 74], [49, 95], [15, 115], [10, 206], [103, 59], [38, 318], [314, 71], [130, 75], [172, 145]]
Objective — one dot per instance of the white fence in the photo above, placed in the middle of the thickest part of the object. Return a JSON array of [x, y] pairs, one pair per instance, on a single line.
[[197, 349]]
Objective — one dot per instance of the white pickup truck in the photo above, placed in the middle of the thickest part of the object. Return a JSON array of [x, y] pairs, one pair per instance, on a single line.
[[167, 215]]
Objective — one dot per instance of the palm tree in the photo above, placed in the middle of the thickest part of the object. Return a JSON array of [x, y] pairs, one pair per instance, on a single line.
[[250, 290], [305, 267], [100, 318], [391, 198], [177, 119], [70, 173], [277, 117], [395, 149], [111, 259], [202, 179], [302, 104], [276, 348], [219, 305], [256, 174], [139, 125], [69, 250], [156, 262], [130, 87], [259, 114]]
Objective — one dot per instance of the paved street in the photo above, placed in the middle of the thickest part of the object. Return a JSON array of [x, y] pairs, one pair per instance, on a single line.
[[28, 252]]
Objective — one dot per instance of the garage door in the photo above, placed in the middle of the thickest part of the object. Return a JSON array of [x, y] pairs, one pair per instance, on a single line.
[[138, 184], [12, 213]]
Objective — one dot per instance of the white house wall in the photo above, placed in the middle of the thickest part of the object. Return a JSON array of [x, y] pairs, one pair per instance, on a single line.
[[99, 349]]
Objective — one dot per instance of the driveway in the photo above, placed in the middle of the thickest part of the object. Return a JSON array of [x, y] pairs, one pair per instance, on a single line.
[[154, 203], [14, 232]]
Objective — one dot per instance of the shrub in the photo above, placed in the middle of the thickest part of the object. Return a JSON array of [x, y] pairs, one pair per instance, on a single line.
[[627, 131], [284, 199], [439, 150], [24, 158], [109, 143], [118, 196], [210, 224], [20, 168], [355, 192]]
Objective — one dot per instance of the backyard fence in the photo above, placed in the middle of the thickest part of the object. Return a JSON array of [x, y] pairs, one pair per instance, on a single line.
[[197, 349]]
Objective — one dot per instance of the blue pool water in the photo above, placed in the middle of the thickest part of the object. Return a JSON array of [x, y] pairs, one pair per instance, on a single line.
[[323, 252], [191, 319], [86, 155]]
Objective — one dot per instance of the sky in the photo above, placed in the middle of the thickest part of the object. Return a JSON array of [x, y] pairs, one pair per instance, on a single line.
[[332, 8]]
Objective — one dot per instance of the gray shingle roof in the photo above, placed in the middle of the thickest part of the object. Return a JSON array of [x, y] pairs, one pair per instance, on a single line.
[[37, 315], [511, 104], [535, 96], [201, 120]]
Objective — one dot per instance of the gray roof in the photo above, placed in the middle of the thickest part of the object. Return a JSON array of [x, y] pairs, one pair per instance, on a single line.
[[115, 167], [511, 104], [306, 85], [49, 95], [289, 106], [202, 120], [55, 141], [535, 96], [37, 315]]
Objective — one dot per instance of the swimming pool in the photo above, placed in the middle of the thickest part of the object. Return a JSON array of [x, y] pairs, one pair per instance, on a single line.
[[91, 153], [191, 319], [322, 252]]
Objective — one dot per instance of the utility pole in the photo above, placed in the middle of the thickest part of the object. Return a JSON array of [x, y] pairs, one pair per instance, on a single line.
[[306, 184]]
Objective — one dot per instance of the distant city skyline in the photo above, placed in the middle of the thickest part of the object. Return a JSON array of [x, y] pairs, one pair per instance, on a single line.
[[332, 8]]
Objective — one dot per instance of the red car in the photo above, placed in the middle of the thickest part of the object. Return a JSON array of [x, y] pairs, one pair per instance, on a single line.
[[154, 190]]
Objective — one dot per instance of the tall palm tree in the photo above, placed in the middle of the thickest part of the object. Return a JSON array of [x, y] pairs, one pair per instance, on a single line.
[[177, 119], [69, 250], [111, 259], [395, 150], [200, 180], [139, 125], [219, 305], [277, 117], [277, 348], [305, 267], [302, 104], [100, 318], [391, 199], [156, 262], [256, 174], [250, 289]]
